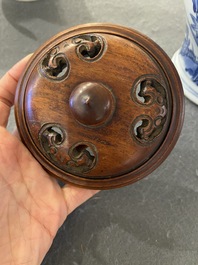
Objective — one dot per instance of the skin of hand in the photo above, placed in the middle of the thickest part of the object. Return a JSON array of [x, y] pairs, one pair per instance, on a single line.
[[33, 206]]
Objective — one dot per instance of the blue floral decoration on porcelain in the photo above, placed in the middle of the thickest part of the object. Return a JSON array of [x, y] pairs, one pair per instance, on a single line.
[[188, 54], [195, 6]]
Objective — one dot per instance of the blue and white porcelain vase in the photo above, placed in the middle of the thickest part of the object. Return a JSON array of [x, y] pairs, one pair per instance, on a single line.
[[186, 58]]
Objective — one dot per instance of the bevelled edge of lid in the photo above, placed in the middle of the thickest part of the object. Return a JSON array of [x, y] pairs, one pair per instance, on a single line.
[[172, 78]]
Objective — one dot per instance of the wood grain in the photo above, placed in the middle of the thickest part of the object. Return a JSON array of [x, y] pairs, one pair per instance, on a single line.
[[100, 106]]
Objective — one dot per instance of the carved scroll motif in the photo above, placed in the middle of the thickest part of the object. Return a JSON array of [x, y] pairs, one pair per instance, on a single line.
[[55, 64], [80, 158], [151, 95], [89, 47]]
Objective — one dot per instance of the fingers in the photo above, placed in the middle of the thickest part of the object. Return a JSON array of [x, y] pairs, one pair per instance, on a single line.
[[75, 196], [8, 84]]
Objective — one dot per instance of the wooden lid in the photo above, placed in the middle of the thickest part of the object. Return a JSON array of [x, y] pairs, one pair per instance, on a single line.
[[100, 106]]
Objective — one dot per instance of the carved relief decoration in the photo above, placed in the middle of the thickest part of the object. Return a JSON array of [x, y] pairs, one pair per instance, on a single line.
[[55, 64], [90, 47], [80, 158], [151, 96]]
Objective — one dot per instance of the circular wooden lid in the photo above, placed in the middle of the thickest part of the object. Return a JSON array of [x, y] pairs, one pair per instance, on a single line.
[[99, 106]]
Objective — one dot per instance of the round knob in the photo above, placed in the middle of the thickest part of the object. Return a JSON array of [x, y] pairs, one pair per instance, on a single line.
[[92, 103]]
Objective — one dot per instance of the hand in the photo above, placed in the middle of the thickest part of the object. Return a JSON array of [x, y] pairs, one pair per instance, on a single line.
[[33, 206]]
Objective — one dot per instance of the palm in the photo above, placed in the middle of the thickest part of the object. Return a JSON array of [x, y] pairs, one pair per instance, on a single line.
[[33, 206]]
